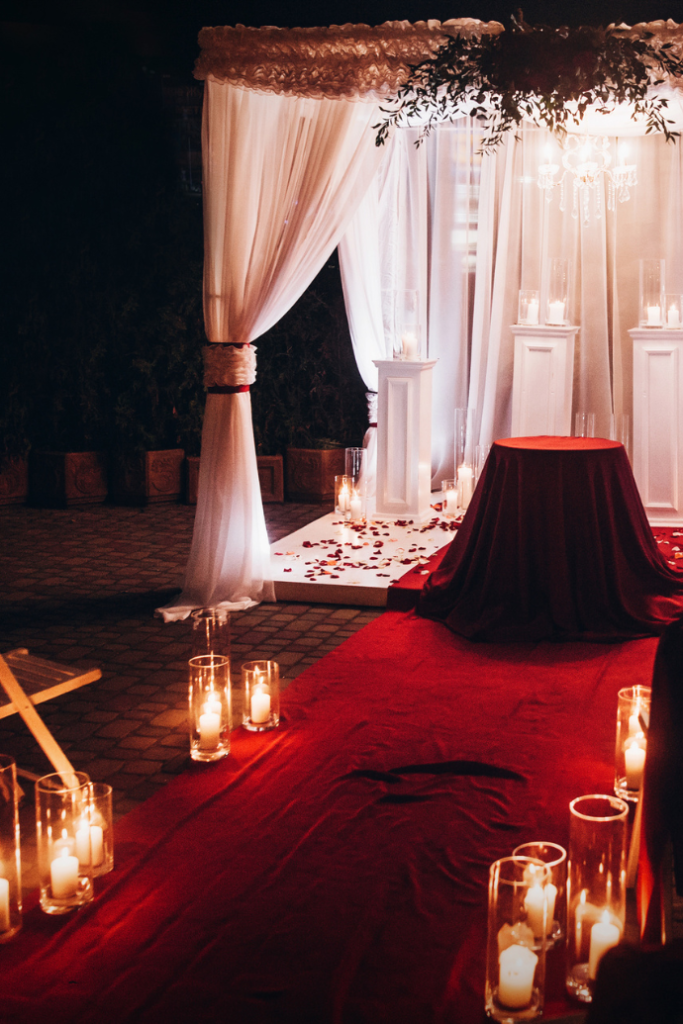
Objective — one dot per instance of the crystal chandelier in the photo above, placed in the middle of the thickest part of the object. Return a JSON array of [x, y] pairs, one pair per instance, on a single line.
[[586, 161]]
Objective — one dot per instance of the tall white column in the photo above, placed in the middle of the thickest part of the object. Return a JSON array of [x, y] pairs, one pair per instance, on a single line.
[[658, 422], [543, 380], [404, 439]]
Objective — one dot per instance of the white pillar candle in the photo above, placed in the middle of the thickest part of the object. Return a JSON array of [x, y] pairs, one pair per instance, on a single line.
[[556, 312], [209, 730], [672, 317], [409, 345], [465, 480], [64, 875], [604, 936], [83, 844], [344, 499], [534, 901], [4, 905], [654, 316], [260, 707], [516, 976], [355, 505], [634, 759], [97, 845], [451, 501], [532, 312]]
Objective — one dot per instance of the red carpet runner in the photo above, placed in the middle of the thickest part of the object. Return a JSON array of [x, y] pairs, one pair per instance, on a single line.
[[335, 870]]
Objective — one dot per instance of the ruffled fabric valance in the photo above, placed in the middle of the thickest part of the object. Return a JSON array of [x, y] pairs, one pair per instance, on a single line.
[[339, 61], [353, 60], [229, 366]]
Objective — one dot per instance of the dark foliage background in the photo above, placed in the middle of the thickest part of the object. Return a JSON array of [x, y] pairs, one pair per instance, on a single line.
[[101, 322]]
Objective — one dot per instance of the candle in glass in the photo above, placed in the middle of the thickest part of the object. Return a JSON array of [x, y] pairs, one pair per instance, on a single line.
[[654, 316], [260, 705], [64, 875], [409, 345], [465, 485], [355, 505], [604, 935], [556, 312], [516, 977], [634, 759], [4, 905]]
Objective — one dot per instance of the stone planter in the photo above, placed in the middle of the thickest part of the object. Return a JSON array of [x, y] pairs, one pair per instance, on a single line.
[[270, 474], [311, 473], [59, 479], [13, 481], [145, 478], [271, 477]]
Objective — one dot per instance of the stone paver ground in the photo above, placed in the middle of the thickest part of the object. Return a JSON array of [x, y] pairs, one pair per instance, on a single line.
[[80, 586]]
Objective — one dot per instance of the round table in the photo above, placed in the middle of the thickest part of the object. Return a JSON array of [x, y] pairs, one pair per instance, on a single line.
[[555, 544]]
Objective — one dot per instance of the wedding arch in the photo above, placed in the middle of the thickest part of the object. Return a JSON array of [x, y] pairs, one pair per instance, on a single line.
[[291, 171]]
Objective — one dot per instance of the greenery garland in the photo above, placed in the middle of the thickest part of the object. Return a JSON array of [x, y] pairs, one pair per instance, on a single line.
[[550, 75]]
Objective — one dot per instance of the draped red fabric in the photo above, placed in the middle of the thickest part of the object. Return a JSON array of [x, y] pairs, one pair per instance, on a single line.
[[555, 544], [334, 871]]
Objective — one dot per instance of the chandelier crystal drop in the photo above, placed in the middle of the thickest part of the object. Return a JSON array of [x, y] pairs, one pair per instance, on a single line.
[[587, 165]]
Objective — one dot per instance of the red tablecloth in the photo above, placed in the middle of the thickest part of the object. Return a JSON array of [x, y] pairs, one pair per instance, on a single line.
[[334, 871], [555, 544]]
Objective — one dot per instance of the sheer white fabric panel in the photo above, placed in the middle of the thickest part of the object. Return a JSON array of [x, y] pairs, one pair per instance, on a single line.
[[282, 178], [229, 563]]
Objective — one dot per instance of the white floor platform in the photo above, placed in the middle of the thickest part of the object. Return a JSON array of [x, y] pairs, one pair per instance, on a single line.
[[331, 562]]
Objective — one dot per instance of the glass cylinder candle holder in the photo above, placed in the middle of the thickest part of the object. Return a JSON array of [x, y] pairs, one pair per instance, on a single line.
[[596, 887], [558, 292], [10, 856], [260, 695], [355, 460], [674, 310], [481, 454], [515, 962], [652, 297], [527, 310], [210, 632], [63, 841], [209, 699], [554, 892], [410, 328], [584, 424], [633, 719], [101, 829], [342, 496], [449, 498]]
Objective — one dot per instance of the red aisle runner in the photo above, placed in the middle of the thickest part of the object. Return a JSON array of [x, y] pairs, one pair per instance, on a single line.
[[335, 870]]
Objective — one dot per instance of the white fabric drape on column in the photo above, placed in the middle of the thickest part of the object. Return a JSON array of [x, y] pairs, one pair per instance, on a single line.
[[416, 230], [283, 175]]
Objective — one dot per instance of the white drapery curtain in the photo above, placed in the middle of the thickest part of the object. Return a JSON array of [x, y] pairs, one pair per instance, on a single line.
[[469, 232], [283, 175], [416, 231]]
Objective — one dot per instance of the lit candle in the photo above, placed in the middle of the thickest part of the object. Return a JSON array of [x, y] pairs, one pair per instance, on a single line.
[[634, 758], [556, 312], [64, 875], [604, 936], [654, 316], [355, 505], [451, 504], [672, 317], [344, 499], [409, 345], [516, 976], [260, 706], [538, 896], [4, 905], [83, 844], [209, 729], [532, 312], [465, 481]]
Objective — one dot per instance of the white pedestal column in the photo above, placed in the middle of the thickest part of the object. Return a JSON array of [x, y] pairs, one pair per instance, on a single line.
[[404, 439], [658, 422], [543, 380]]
